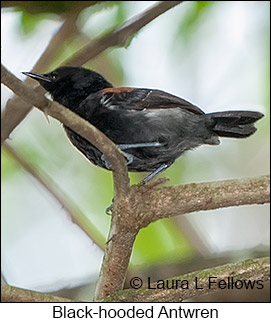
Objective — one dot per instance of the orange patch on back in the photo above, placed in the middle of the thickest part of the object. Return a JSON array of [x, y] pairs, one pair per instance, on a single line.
[[117, 90]]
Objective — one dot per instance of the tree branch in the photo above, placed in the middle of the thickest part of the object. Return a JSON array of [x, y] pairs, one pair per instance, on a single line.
[[166, 202], [116, 257], [251, 269], [147, 205], [13, 294], [120, 36]]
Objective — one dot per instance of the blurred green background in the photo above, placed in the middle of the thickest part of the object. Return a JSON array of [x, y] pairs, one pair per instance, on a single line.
[[212, 53]]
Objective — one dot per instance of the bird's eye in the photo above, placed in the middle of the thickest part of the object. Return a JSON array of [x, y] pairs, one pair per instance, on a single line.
[[54, 76]]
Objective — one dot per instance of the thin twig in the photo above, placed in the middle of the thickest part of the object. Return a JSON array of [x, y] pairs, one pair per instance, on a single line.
[[16, 110], [120, 36], [66, 31], [76, 215], [188, 285]]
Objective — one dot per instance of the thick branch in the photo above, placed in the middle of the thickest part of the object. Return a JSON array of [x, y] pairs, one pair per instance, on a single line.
[[166, 202], [14, 294], [148, 204], [253, 270], [120, 36], [116, 258], [76, 123]]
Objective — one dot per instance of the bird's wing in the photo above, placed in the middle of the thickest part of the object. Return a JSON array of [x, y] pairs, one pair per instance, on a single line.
[[139, 99]]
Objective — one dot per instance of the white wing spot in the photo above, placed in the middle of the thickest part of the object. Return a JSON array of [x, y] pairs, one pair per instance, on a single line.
[[106, 102], [148, 94]]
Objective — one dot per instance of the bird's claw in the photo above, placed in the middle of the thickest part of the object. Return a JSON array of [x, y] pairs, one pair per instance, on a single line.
[[109, 209], [129, 157]]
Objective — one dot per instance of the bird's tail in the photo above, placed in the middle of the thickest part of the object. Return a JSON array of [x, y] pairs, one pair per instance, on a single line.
[[237, 124]]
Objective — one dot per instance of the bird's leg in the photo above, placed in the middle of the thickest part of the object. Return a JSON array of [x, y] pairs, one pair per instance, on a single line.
[[128, 156], [159, 170], [139, 145]]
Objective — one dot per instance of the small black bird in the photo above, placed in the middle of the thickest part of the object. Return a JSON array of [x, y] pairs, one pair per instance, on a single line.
[[152, 127]]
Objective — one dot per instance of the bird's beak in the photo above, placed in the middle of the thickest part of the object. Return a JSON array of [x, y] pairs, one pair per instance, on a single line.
[[38, 77]]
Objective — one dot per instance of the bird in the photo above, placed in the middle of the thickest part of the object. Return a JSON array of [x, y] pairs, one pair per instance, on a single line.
[[151, 127]]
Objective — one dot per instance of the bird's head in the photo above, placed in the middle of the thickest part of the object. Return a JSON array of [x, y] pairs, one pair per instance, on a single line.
[[70, 85]]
